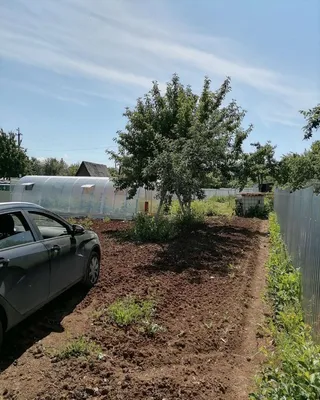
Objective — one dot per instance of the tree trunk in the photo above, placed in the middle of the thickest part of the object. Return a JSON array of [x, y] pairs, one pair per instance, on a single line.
[[181, 205], [160, 206], [259, 183]]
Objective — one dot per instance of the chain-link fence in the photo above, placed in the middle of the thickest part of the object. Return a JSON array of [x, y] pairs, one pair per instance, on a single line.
[[299, 218]]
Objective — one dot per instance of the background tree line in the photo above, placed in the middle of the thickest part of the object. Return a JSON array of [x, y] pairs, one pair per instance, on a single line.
[[14, 161], [179, 142]]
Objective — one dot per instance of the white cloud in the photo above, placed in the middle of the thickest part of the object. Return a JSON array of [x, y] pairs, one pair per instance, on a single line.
[[125, 45], [48, 92]]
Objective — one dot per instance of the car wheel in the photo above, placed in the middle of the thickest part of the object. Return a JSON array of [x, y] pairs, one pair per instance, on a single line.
[[93, 270]]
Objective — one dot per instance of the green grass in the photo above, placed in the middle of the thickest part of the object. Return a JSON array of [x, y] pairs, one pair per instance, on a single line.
[[80, 347], [130, 311], [213, 206], [292, 367]]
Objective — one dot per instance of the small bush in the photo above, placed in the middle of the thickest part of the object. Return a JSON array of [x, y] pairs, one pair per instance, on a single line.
[[292, 368], [257, 211], [130, 311], [186, 221], [80, 347], [148, 228], [269, 203]]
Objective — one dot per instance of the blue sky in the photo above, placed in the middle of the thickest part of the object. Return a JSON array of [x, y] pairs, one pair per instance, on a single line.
[[68, 68]]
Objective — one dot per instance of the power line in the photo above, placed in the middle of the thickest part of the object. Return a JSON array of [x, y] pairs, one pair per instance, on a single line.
[[78, 149]]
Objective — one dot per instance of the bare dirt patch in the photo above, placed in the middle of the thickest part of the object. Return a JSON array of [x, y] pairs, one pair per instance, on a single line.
[[207, 289]]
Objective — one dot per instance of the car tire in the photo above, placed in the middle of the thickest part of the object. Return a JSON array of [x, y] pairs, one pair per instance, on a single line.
[[92, 271]]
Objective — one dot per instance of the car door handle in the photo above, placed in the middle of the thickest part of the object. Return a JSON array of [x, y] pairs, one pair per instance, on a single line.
[[55, 249], [4, 262]]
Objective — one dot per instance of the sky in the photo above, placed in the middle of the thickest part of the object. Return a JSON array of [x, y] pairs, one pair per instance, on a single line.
[[68, 68]]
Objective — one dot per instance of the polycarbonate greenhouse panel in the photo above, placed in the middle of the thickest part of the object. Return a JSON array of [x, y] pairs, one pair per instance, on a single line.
[[90, 196], [82, 196]]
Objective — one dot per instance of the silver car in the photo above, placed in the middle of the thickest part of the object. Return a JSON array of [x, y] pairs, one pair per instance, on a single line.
[[41, 256]]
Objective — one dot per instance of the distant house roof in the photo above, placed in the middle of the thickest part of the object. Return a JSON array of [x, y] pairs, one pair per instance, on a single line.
[[88, 168]]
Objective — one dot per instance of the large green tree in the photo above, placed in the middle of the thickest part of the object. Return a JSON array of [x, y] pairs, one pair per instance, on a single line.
[[173, 140], [13, 159]]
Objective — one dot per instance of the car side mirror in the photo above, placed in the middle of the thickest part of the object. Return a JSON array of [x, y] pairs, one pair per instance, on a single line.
[[77, 230]]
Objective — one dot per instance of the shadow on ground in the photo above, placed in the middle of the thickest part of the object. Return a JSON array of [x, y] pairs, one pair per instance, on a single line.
[[39, 325], [212, 248]]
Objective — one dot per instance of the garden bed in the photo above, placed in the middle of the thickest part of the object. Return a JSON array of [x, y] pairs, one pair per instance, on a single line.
[[205, 288]]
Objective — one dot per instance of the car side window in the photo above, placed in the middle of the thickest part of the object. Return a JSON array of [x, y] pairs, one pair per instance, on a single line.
[[48, 226], [14, 230]]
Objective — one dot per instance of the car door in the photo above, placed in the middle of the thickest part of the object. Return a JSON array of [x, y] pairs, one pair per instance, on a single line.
[[24, 266], [66, 266]]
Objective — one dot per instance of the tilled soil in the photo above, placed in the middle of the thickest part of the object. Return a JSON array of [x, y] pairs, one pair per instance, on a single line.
[[207, 286]]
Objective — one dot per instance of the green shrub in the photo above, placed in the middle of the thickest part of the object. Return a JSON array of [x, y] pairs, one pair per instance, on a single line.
[[130, 311], [187, 221], [292, 368], [257, 211], [148, 228], [269, 203]]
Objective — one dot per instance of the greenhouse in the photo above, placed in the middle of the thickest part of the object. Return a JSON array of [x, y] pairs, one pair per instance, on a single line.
[[82, 196]]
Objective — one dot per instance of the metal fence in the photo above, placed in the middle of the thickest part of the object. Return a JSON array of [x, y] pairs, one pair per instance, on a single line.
[[224, 192], [298, 214]]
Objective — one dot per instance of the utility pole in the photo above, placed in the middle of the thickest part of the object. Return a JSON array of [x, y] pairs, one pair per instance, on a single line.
[[19, 134]]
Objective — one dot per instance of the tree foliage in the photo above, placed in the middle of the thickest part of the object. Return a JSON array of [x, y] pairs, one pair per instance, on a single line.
[[114, 172], [298, 170], [258, 166], [13, 160], [173, 140], [51, 167], [312, 117]]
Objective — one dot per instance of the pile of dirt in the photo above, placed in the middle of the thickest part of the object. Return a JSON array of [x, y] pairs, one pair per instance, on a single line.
[[206, 286]]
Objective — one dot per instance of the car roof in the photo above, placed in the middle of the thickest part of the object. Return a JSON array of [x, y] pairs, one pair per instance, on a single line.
[[18, 205]]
